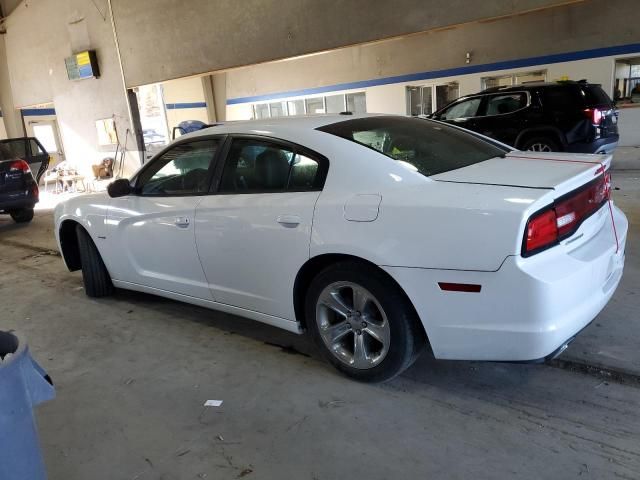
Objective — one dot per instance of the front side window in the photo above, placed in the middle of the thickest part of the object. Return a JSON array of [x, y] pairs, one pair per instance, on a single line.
[[257, 166], [183, 170], [420, 145], [501, 104], [464, 109]]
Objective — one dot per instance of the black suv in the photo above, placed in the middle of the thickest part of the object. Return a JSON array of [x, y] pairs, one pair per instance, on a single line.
[[22, 162], [547, 117]]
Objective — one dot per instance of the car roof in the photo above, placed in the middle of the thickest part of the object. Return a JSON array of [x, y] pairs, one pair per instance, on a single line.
[[274, 125], [535, 86]]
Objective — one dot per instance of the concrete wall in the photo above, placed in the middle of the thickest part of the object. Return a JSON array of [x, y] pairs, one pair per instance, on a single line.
[[629, 126], [39, 36], [208, 36], [567, 29]]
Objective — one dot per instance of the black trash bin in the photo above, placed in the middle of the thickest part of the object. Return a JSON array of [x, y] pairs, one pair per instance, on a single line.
[[23, 385]]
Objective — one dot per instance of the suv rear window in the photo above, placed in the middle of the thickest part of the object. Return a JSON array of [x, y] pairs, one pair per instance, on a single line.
[[422, 145], [594, 95]]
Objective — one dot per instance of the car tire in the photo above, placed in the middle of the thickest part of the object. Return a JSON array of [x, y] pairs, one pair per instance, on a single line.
[[387, 329], [24, 215], [97, 282], [541, 144]]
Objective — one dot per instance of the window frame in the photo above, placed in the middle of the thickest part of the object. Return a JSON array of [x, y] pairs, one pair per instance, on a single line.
[[135, 180], [321, 175], [39, 144]]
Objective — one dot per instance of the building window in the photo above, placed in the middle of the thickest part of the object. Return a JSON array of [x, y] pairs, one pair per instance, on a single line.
[[334, 103], [261, 110], [351, 102], [315, 105], [295, 107], [427, 99], [356, 102], [514, 79], [627, 80], [278, 109]]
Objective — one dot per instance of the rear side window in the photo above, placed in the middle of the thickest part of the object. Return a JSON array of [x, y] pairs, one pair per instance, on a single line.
[[15, 149], [507, 103], [562, 99], [260, 166], [594, 96], [421, 145]]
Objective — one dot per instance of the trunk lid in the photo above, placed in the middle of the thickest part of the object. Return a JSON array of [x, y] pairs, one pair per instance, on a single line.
[[563, 176], [560, 172]]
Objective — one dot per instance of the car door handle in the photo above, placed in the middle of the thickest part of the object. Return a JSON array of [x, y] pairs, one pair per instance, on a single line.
[[182, 222], [289, 221]]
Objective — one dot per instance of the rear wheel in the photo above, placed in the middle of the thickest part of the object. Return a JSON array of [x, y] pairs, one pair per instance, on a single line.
[[362, 322], [24, 215], [541, 144], [97, 282]]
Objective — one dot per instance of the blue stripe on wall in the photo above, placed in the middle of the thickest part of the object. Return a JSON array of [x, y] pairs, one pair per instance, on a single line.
[[36, 112], [450, 72], [177, 106]]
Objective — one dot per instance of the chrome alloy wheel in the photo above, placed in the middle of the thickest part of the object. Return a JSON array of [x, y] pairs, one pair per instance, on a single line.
[[353, 325], [539, 147]]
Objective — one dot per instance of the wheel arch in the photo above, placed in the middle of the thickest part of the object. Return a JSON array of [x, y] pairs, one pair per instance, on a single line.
[[549, 131], [316, 264], [69, 244]]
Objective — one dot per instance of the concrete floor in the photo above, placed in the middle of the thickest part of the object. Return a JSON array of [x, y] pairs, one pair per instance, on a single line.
[[132, 373]]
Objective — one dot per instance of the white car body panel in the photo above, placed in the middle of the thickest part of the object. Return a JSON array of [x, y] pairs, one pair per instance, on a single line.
[[462, 226], [252, 247], [149, 245]]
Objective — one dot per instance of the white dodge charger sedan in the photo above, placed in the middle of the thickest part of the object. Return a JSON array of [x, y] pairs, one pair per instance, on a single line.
[[376, 234]]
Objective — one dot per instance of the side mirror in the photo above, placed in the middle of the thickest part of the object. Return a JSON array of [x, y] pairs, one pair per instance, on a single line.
[[119, 188]]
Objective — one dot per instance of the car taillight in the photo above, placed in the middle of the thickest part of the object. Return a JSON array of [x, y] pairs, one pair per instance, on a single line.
[[594, 114], [542, 231], [19, 166], [35, 192], [565, 216]]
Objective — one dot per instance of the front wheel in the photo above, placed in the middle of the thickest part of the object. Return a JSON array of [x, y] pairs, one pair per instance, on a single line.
[[96, 279], [362, 322], [24, 215]]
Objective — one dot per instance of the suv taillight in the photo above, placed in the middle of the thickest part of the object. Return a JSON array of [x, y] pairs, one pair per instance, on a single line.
[[595, 115], [562, 219], [19, 166]]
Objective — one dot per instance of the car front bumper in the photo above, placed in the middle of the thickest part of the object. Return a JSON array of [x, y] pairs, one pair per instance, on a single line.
[[529, 308]]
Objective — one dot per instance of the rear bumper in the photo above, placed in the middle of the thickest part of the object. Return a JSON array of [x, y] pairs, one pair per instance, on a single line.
[[529, 308], [9, 202], [601, 145]]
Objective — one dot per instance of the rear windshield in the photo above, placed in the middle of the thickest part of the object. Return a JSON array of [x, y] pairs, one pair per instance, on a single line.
[[595, 95], [422, 145]]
